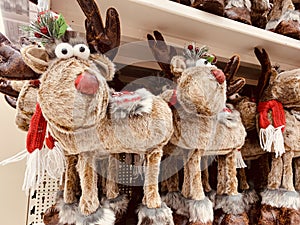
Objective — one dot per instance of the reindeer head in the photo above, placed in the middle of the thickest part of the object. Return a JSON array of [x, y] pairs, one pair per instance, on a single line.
[[201, 86], [104, 39], [73, 92], [198, 62], [282, 86]]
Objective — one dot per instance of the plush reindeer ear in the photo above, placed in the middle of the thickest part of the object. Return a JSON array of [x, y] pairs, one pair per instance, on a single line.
[[105, 66], [36, 57]]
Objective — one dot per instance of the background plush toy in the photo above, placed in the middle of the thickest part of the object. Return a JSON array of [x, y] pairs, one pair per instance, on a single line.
[[275, 124], [203, 126], [284, 19]]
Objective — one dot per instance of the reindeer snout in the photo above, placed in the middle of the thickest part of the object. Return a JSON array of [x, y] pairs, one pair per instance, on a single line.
[[219, 75], [87, 83]]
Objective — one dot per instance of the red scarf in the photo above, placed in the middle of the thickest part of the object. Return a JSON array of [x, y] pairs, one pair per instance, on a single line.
[[278, 115], [37, 132]]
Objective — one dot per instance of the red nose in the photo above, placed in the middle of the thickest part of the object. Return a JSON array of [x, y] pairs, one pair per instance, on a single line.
[[87, 83], [219, 75]]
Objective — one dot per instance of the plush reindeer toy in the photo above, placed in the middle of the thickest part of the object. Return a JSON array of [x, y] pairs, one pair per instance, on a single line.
[[77, 113]]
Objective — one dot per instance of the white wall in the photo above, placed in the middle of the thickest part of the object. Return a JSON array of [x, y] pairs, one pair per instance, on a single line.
[[13, 200]]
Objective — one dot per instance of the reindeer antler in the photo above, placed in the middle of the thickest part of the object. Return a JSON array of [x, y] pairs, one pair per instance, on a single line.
[[266, 72], [232, 66], [6, 88], [103, 39], [161, 52], [12, 65]]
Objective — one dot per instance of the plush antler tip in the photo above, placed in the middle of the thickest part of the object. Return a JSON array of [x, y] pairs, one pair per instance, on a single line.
[[150, 37], [156, 32], [235, 57], [256, 50], [112, 12]]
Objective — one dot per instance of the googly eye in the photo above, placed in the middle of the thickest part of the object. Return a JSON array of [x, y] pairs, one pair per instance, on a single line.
[[202, 62], [64, 51], [82, 51]]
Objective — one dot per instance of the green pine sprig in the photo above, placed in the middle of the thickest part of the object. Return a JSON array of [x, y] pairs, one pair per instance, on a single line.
[[47, 27]]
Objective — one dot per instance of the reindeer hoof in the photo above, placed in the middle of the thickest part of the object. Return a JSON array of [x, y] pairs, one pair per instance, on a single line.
[[252, 204], [161, 216], [101, 216], [88, 207], [174, 200], [281, 198], [198, 211], [67, 212], [119, 206], [231, 209], [153, 200]]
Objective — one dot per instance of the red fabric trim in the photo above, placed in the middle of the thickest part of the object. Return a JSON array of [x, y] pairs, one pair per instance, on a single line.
[[37, 131], [278, 114], [50, 141], [173, 99]]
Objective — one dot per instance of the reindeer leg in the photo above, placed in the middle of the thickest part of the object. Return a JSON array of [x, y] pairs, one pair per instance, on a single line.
[[243, 179], [186, 186], [205, 175], [154, 210], [71, 179], [112, 189], [67, 206], [232, 183], [151, 195], [297, 173], [230, 203], [221, 175], [173, 180], [199, 208], [89, 202], [193, 180], [170, 178], [275, 175], [287, 179]]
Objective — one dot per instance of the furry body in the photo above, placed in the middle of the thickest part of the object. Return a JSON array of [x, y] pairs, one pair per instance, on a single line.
[[74, 98], [203, 126]]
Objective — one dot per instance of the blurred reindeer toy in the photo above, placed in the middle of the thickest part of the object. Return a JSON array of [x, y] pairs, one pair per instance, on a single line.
[[203, 125], [279, 124]]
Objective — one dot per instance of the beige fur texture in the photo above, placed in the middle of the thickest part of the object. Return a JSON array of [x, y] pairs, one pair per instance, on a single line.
[[283, 87], [203, 126], [81, 124], [26, 105], [286, 88]]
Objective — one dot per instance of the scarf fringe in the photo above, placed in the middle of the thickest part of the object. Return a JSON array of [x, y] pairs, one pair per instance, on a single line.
[[16, 158], [139, 166], [239, 161], [55, 162], [35, 170], [266, 138], [269, 136], [278, 141]]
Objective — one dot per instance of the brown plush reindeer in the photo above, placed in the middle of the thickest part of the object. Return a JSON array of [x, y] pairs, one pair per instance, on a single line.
[[88, 122], [282, 88], [280, 196], [202, 126]]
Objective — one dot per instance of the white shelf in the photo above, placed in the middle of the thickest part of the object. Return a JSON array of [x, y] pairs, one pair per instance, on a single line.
[[180, 24]]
